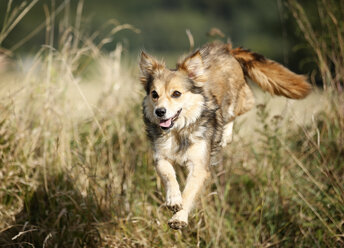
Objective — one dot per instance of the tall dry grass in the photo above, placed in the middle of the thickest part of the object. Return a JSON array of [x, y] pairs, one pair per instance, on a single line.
[[76, 168]]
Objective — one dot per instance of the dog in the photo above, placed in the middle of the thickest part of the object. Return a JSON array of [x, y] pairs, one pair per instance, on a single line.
[[189, 111]]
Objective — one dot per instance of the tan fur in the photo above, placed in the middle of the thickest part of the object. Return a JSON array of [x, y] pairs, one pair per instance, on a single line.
[[213, 92], [272, 76]]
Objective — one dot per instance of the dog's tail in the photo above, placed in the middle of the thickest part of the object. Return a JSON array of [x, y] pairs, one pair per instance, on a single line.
[[272, 76]]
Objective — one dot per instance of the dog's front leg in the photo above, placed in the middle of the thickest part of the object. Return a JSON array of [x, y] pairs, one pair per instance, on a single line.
[[198, 173], [168, 176]]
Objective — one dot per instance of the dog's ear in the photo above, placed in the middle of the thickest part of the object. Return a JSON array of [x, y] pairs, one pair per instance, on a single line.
[[194, 67], [150, 68]]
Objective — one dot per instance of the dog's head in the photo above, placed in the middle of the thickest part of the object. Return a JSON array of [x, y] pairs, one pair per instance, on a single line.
[[174, 97]]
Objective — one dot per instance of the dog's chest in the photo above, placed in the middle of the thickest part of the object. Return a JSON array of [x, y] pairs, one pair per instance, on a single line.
[[175, 146], [173, 149]]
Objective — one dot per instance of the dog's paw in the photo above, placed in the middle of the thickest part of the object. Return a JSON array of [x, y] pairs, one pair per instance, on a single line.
[[177, 224], [179, 220], [174, 202]]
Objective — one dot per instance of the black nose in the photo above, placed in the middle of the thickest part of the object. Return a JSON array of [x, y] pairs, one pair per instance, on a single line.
[[160, 112]]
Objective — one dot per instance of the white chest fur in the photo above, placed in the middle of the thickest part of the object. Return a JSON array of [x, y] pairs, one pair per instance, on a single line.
[[180, 148], [169, 148]]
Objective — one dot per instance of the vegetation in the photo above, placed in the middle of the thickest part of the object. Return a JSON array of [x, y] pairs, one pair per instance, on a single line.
[[76, 168], [263, 26]]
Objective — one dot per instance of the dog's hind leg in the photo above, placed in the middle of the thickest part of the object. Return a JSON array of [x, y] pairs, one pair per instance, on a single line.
[[227, 134], [198, 173], [168, 176]]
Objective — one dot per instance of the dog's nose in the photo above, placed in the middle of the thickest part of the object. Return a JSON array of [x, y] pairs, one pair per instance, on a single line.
[[160, 112]]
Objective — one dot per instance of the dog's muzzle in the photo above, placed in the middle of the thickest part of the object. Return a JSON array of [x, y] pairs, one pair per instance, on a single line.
[[168, 123]]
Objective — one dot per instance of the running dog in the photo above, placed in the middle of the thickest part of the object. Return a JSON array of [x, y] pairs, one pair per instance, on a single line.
[[189, 111]]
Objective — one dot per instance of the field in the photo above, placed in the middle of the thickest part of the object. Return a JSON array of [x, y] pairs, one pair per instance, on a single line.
[[76, 169]]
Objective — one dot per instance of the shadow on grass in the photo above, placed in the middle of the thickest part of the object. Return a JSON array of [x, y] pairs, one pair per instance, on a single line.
[[56, 216]]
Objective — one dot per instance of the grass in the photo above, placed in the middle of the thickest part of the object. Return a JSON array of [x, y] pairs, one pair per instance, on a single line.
[[76, 168]]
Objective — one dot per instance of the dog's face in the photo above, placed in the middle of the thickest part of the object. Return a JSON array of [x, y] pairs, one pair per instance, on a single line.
[[174, 97]]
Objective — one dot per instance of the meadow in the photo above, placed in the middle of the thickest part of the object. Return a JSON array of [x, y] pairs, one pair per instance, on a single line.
[[76, 167]]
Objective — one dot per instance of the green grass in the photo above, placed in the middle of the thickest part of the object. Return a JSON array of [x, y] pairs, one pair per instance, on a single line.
[[76, 168]]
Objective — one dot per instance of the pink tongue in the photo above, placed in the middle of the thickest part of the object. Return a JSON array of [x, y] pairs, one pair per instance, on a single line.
[[166, 123]]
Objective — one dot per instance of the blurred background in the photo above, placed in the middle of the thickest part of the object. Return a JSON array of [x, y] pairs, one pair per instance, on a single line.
[[159, 26]]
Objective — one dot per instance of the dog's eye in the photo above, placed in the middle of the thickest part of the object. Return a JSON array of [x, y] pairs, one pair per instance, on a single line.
[[155, 94], [176, 94]]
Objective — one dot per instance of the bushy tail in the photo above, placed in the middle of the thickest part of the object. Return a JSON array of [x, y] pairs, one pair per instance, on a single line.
[[272, 76]]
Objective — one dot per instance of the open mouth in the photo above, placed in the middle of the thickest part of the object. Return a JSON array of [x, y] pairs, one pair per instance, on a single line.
[[168, 123]]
